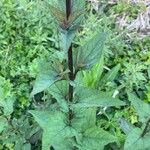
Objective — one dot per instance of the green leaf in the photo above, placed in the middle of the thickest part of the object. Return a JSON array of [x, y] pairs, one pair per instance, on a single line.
[[135, 141], [96, 138], [89, 54], [125, 125], [54, 128], [26, 146], [61, 4], [92, 77], [3, 123], [49, 73], [142, 108], [6, 96], [66, 38], [86, 97], [59, 91], [84, 118], [65, 140], [19, 143], [7, 105], [110, 76]]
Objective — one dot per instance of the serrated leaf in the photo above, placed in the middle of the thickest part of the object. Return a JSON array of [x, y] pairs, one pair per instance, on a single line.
[[89, 54], [54, 128], [134, 140], [96, 138], [65, 140], [84, 118], [59, 91], [49, 73], [86, 97], [142, 108], [110, 76]]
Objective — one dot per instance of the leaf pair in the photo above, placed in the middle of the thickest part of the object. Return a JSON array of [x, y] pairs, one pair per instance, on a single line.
[[57, 134], [59, 12], [85, 57], [84, 97]]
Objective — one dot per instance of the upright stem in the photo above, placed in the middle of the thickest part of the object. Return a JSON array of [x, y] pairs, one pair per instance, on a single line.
[[71, 73], [70, 60], [70, 57], [68, 8]]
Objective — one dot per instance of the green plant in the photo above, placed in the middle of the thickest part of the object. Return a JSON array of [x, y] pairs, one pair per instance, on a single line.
[[69, 122], [139, 136], [24, 37]]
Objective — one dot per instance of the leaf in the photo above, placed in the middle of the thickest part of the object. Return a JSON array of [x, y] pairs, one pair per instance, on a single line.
[[86, 97], [6, 97], [134, 140], [3, 124], [92, 77], [83, 118], [96, 138], [66, 37], [7, 105], [125, 125], [19, 143], [65, 141], [54, 128], [78, 5], [110, 76], [26, 146], [59, 91], [142, 108], [89, 54], [49, 73], [60, 15]]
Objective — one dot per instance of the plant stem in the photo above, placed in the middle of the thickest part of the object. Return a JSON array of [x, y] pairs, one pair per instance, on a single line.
[[70, 60], [71, 73], [68, 8]]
